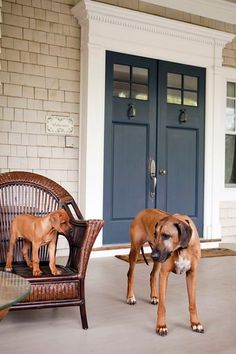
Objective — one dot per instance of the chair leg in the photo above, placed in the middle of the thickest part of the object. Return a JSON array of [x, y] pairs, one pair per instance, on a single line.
[[82, 305], [83, 316]]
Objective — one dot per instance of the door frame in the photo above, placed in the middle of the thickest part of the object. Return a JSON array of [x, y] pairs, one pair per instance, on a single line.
[[105, 27]]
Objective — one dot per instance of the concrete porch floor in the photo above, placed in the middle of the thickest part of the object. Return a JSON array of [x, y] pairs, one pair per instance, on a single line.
[[115, 327]]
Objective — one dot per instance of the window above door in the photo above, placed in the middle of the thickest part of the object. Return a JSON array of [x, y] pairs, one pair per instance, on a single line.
[[130, 82], [182, 89]]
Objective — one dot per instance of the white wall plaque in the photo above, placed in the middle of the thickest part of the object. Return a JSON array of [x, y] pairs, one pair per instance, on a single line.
[[59, 125]]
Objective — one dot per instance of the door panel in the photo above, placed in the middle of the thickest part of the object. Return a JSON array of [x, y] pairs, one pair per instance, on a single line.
[[181, 156], [129, 172]]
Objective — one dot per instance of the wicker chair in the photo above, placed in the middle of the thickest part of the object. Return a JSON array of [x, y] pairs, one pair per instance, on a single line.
[[29, 193]]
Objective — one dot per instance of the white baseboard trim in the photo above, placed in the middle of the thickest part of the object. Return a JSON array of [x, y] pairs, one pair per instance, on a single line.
[[230, 245], [212, 244]]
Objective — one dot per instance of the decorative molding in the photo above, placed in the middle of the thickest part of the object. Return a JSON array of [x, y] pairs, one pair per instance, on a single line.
[[112, 15]]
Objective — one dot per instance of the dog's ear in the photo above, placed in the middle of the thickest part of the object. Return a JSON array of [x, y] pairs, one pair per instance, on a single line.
[[54, 220], [185, 233], [155, 230]]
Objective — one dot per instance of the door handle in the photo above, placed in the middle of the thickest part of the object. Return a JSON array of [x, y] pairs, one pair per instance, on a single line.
[[153, 178]]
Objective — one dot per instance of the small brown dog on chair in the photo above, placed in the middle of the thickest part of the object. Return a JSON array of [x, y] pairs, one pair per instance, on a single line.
[[38, 231], [175, 246]]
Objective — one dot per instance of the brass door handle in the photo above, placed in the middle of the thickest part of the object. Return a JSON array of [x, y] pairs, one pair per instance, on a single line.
[[153, 178]]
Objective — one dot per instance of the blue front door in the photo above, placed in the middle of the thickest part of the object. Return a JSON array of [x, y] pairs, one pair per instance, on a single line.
[[154, 130]]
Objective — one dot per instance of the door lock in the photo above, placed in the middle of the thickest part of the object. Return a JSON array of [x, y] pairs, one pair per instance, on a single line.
[[162, 172]]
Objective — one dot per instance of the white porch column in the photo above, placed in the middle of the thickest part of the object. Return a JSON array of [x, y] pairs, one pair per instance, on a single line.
[[92, 130], [214, 151]]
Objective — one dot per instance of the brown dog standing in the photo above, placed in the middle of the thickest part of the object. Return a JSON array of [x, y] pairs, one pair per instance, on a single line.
[[175, 246], [39, 231]]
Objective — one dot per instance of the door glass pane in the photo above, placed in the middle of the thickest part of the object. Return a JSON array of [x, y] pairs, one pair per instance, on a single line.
[[121, 89], [174, 80], [231, 86], [140, 75], [190, 83], [139, 92], [230, 109], [230, 159], [121, 72], [174, 96], [230, 123], [190, 98]]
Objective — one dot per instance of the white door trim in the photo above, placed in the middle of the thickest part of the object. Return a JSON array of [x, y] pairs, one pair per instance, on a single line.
[[105, 27]]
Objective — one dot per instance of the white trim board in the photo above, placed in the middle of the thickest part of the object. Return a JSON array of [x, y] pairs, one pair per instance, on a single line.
[[112, 253], [215, 9], [105, 27]]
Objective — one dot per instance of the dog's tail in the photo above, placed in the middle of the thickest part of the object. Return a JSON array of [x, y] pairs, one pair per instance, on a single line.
[[144, 257]]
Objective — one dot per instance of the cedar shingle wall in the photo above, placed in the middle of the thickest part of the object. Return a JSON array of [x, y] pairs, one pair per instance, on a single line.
[[40, 76]]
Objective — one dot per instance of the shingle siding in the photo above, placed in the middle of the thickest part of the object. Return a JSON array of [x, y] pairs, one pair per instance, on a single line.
[[40, 76]]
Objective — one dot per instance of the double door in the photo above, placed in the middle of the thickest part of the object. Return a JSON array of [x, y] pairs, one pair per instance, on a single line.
[[154, 141]]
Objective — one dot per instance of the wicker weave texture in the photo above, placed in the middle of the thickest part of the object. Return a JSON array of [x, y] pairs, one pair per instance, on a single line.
[[53, 291]]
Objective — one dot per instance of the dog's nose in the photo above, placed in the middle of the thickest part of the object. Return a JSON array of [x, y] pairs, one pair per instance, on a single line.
[[155, 255]]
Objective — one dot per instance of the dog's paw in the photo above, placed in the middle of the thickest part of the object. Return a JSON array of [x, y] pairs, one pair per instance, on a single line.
[[8, 269], [56, 272], [162, 331], [37, 272], [154, 300], [198, 327], [131, 300]]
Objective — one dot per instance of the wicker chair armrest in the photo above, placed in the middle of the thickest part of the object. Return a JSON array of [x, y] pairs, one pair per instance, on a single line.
[[81, 241]]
